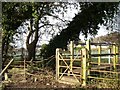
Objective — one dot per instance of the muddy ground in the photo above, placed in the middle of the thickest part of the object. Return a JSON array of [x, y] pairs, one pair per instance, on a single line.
[[42, 78]]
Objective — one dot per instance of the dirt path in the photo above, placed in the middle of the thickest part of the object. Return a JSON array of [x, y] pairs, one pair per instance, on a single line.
[[43, 78]]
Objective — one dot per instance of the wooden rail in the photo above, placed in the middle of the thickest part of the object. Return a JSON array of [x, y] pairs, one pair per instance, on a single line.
[[97, 44], [84, 54], [6, 67], [96, 55], [104, 64], [103, 78], [105, 71]]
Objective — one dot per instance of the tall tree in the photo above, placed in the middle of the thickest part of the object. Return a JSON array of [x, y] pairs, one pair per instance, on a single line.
[[14, 14], [86, 22], [39, 13]]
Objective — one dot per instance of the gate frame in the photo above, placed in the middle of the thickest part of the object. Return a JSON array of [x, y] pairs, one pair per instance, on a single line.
[[86, 58]]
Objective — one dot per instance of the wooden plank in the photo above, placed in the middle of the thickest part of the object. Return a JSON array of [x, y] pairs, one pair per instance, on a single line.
[[6, 76], [71, 74], [24, 70], [117, 56], [100, 67], [67, 67], [14, 66], [114, 57], [103, 78], [69, 59], [88, 53], [104, 64], [96, 55], [84, 66], [6, 67], [72, 55], [102, 49], [28, 61], [99, 52], [57, 64], [105, 71]]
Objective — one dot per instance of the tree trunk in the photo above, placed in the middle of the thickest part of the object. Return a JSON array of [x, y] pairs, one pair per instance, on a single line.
[[31, 50], [31, 47], [5, 46]]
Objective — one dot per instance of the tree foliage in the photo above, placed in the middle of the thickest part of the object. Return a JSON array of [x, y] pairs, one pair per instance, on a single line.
[[86, 22], [12, 18], [15, 14]]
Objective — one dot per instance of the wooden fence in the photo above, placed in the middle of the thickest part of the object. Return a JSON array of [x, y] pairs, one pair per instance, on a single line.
[[80, 64]]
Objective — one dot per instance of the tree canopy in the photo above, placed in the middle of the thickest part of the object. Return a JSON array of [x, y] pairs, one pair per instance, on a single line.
[[86, 22], [15, 14], [12, 18]]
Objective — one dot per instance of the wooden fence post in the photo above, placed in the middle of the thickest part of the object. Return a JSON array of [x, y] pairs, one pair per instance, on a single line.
[[114, 56], [24, 70], [84, 66], [88, 47], [6, 76], [57, 64], [109, 58], [72, 55], [117, 56], [99, 52]]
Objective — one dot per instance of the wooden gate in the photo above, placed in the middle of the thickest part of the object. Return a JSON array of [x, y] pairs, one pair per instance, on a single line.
[[70, 65], [77, 66]]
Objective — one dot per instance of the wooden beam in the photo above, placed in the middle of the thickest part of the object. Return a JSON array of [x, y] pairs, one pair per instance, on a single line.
[[6, 67], [88, 47], [6, 76], [84, 66], [102, 78], [70, 59], [117, 55], [67, 67], [72, 55], [99, 52], [105, 71], [96, 55], [114, 56], [104, 64], [71, 74], [57, 64], [24, 70]]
